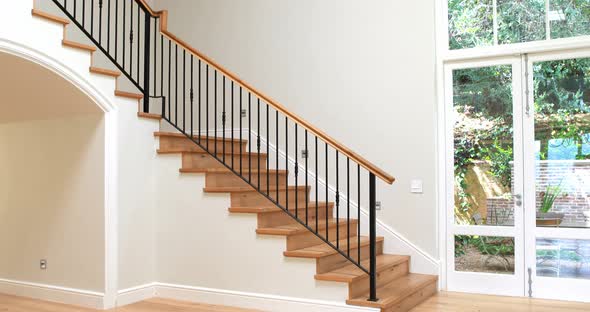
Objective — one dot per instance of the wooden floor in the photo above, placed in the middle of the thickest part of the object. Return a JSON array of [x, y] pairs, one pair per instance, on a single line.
[[444, 302]]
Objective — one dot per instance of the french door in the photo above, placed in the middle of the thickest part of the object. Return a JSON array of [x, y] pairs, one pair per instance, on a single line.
[[518, 176], [557, 176], [485, 220]]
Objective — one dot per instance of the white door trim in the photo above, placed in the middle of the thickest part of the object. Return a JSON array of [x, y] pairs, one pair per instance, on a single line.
[[500, 284]]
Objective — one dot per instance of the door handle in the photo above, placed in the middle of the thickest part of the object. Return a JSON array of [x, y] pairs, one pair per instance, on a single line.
[[518, 199]]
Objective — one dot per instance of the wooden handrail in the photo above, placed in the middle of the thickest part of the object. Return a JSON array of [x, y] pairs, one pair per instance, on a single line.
[[163, 15]]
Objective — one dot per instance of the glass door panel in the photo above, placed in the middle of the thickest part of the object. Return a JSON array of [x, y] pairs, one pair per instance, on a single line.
[[558, 187], [485, 215]]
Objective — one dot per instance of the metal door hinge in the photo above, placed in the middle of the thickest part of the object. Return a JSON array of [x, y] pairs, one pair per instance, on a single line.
[[530, 271]]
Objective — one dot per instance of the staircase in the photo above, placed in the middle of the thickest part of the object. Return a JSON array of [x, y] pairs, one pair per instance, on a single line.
[[269, 161]]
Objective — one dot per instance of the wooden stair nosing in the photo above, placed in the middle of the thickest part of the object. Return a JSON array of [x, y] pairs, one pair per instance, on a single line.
[[131, 95], [104, 71], [188, 151], [50, 17], [202, 137], [323, 250], [77, 45], [393, 293], [271, 209], [352, 273], [296, 228], [149, 116], [249, 189]]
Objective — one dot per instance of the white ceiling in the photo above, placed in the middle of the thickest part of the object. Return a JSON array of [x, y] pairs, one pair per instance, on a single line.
[[31, 92]]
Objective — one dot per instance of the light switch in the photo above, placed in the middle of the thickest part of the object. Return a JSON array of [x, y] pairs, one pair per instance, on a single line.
[[416, 187]]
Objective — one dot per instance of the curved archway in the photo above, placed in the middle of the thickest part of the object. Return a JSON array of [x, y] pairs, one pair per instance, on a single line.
[[80, 88]]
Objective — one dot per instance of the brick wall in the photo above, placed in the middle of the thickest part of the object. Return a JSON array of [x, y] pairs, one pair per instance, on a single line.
[[574, 178]]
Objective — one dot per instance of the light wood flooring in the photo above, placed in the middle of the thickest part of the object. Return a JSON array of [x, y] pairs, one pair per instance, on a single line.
[[443, 302]]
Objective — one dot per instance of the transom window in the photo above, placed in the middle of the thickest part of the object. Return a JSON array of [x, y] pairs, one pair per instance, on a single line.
[[479, 23]]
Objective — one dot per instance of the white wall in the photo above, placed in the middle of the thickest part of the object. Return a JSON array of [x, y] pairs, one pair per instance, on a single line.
[[137, 197], [52, 201], [362, 71]]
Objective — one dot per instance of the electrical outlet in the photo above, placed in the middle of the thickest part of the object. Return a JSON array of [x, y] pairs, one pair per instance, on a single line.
[[243, 113], [304, 154], [43, 264], [378, 206]]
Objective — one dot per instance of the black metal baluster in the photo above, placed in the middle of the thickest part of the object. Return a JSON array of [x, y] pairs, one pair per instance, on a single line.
[[232, 125], [277, 150], [372, 238], [200, 96], [317, 216], [84, 15], [156, 55], [223, 121], [74, 8], [287, 164], [258, 144], [131, 41], [161, 65], [348, 206], [170, 80], [138, 44], [306, 182], [296, 172], [326, 186], [124, 29], [241, 147], [108, 26], [267, 151], [337, 201], [192, 98], [66, 4], [358, 213], [146, 63], [176, 85], [184, 92], [92, 18], [207, 106], [249, 136], [215, 111], [116, 29], [100, 22]]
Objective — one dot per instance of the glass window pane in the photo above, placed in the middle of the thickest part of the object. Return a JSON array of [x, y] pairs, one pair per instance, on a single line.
[[563, 258], [562, 135], [483, 136], [569, 18], [486, 254], [471, 23], [521, 21]]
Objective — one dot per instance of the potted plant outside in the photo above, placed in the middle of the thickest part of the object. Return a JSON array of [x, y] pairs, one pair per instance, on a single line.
[[545, 217]]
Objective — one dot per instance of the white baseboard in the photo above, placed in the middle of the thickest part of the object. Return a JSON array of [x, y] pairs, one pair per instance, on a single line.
[[77, 297], [136, 294], [246, 300]]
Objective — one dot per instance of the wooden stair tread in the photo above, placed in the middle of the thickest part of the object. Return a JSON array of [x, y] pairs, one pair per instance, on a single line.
[[266, 209], [203, 137], [131, 95], [395, 291], [351, 272], [77, 45], [104, 71], [323, 250], [149, 116], [296, 228], [241, 189], [189, 151], [50, 17]]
